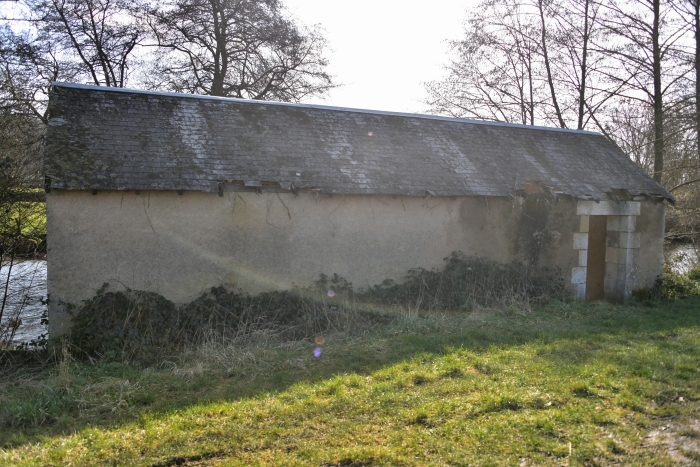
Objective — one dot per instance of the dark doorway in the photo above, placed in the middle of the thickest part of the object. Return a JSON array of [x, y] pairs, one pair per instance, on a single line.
[[595, 263]]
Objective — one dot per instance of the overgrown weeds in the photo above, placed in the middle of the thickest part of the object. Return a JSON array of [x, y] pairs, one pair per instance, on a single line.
[[672, 285], [56, 388], [145, 326], [465, 283], [675, 285]]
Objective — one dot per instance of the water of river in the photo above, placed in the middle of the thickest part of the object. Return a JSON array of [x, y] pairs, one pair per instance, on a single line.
[[26, 297], [682, 258]]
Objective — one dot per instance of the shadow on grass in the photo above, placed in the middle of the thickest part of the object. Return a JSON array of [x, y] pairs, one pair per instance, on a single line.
[[581, 328]]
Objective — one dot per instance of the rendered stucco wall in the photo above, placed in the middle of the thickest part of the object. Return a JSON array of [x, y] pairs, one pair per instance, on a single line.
[[650, 225], [181, 245]]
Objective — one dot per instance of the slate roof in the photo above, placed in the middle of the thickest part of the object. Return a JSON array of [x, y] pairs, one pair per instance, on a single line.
[[118, 139]]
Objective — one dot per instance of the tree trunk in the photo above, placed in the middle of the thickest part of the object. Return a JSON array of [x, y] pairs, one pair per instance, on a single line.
[[219, 75], [531, 104], [658, 97], [584, 70], [7, 285], [550, 81], [697, 75]]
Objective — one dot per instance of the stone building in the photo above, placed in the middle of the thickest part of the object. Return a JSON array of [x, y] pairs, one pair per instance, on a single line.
[[177, 193]]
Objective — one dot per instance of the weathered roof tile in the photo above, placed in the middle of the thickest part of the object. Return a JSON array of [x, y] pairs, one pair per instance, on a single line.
[[109, 138]]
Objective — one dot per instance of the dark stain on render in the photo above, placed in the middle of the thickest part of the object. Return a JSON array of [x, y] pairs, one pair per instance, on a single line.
[[533, 237]]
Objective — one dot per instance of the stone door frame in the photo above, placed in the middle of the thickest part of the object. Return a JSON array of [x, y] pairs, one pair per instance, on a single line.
[[622, 247]]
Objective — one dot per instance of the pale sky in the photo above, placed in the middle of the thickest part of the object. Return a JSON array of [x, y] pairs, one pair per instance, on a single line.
[[384, 49]]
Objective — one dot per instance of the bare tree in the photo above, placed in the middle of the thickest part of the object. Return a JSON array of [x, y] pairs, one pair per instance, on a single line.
[[22, 226], [28, 67], [91, 41], [73, 40], [644, 41], [633, 128], [494, 72], [694, 7], [533, 55], [546, 60], [239, 48], [573, 26], [99, 35], [689, 11]]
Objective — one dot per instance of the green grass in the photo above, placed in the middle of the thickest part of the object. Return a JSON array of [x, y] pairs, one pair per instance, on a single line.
[[566, 384], [27, 218]]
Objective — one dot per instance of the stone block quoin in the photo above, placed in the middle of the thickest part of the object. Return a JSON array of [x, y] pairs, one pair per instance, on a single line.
[[622, 247]]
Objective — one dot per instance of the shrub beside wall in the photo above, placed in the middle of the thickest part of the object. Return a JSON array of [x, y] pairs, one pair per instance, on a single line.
[[144, 325]]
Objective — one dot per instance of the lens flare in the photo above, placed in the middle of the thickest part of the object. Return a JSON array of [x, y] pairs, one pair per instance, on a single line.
[[331, 293], [317, 352]]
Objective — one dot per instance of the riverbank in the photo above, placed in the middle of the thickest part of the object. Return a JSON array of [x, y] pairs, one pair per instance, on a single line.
[[566, 383]]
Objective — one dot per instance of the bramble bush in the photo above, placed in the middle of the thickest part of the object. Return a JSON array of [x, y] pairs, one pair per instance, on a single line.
[[675, 285], [138, 325], [143, 326]]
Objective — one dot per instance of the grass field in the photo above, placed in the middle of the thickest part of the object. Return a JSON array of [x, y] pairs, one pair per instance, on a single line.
[[23, 229], [562, 385], [27, 217]]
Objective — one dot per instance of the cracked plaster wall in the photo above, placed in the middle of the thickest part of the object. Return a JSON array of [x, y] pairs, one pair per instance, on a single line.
[[181, 245]]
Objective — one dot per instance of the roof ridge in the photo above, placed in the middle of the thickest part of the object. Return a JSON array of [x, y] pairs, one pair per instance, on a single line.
[[92, 87]]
